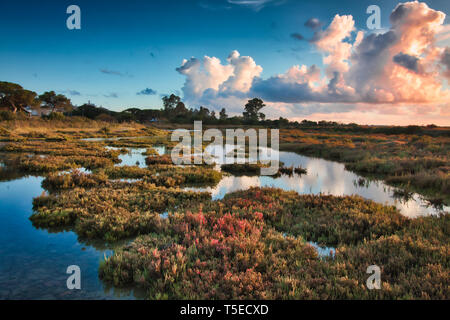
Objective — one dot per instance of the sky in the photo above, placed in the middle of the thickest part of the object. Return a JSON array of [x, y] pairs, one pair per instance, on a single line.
[[315, 60]]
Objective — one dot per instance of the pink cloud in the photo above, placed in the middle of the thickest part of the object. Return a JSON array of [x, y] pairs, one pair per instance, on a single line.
[[400, 72]]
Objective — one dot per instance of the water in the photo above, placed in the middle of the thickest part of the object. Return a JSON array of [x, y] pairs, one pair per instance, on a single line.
[[135, 156], [323, 177], [33, 262], [323, 252]]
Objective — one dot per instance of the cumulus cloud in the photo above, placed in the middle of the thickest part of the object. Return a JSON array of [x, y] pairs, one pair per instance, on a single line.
[[400, 65], [445, 60], [331, 42], [408, 61], [403, 65], [209, 78]]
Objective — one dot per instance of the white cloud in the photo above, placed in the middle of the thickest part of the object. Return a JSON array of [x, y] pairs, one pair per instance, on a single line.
[[401, 65]]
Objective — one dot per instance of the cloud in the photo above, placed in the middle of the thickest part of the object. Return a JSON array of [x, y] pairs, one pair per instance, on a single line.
[[111, 95], [331, 42], [399, 67], [297, 36], [71, 92], [313, 23], [382, 68], [445, 60], [255, 4], [147, 92], [114, 73], [209, 78], [408, 61]]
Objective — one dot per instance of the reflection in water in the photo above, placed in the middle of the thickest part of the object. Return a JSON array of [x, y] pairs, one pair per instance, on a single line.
[[135, 156], [33, 262], [323, 177], [323, 252]]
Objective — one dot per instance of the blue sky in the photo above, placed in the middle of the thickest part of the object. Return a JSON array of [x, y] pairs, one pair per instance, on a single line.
[[127, 46]]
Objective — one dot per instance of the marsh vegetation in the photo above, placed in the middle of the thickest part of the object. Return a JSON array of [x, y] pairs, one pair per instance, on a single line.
[[181, 241]]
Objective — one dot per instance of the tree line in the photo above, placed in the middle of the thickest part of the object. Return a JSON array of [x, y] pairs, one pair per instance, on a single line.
[[15, 98]]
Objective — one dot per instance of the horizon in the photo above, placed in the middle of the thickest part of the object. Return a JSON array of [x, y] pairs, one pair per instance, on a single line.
[[304, 61]]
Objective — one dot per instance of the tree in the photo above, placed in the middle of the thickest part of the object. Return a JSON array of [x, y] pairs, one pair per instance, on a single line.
[[170, 103], [223, 114], [180, 109], [204, 113], [251, 113], [14, 96], [53, 101]]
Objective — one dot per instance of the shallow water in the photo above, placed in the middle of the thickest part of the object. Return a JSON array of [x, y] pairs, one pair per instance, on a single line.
[[323, 177], [135, 157], [323, 252], [33, 262]]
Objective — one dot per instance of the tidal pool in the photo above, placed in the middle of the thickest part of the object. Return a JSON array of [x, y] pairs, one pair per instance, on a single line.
[[135, 156], [33, 262], [322, 177]]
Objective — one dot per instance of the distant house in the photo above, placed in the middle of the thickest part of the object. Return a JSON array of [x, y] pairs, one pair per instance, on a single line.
[[28, 111], [38, 112], [31, 112], [44, 112]]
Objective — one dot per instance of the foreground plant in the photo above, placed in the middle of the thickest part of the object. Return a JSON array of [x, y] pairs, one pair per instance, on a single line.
[[111, 212], [251, 246]]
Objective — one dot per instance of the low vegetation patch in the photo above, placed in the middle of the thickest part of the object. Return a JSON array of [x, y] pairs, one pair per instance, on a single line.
[[291, 170], [244, 247], [73, 179], [248, 169], [418, 163], [112, 212]]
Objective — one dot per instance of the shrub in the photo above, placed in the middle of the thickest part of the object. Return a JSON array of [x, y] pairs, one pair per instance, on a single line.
[[76, 178], [7, 115], [55, 116]]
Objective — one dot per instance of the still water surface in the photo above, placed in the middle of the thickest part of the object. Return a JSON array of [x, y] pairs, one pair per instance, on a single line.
[[33, 262]]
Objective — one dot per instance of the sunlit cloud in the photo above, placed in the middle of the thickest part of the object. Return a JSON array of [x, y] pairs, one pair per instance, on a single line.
[[401, 70]]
